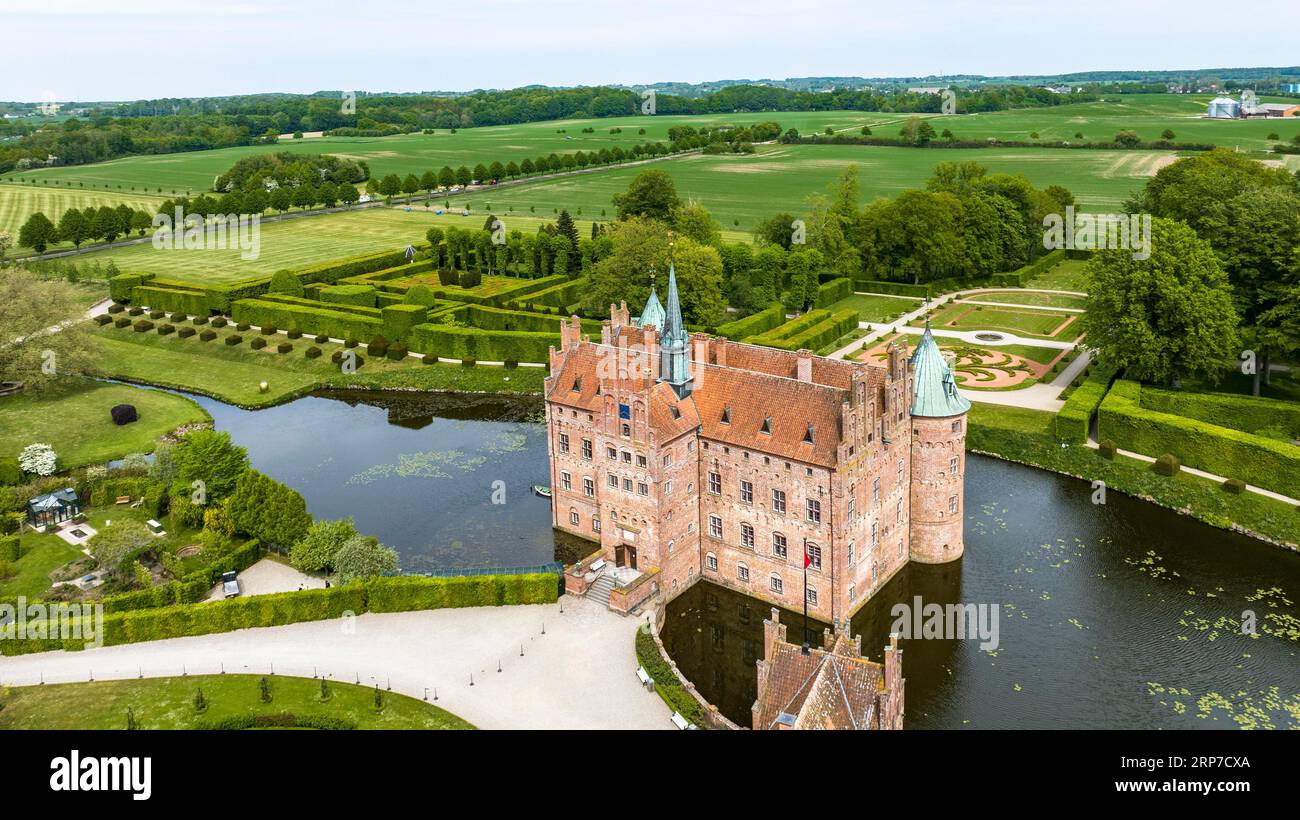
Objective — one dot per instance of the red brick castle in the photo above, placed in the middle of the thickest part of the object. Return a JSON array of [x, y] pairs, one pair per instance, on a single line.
[[689, 456]]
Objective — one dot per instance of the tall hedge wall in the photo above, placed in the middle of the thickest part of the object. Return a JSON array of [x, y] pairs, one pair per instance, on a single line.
[[1245, 413], [190, 302], [831, 292], [481, 345], [401, 594], [1273, 465], [315, 321], [122, 286], [815, 329], [1075, 418], [772, 316], [1020, 277], [358, 295]]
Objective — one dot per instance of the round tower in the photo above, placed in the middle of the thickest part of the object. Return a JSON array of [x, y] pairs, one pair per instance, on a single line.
[[938, 457]]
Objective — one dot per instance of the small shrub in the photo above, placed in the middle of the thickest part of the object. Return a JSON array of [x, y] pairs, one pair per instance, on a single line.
[[157, 314], [313, 353], [1107, 449], [220, 321], [186, 332], [511, 365], [268, 330], [1234, 485], [322, 339], [123, 414], [166, 329], [121, 321], [178, 316], [134, 310], [295, 334], [207, 335], [468, 362], [234, 339], [397, 352], [1167, 465], [200, 320], [103, 319], [116, 307], [258, 343], [142, 326], [430, 359], [337, 357], [350, 342], [284, 347], [243, 327]]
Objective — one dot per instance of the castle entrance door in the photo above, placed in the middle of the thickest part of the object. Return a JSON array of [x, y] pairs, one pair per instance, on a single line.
[[625, 555]]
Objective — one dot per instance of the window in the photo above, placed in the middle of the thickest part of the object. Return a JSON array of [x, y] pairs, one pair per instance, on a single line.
[[565, 481], [875, 492], [747, 536], [668, 459], [715, 483], [564, 442], [627, 485], [715, 526], [640, 460], [852, 593], [742, 573], [627, 430], [778, 501], [900, 548], [875, 536], [956, 426], [852, 508], [726, 414], [814, 511], [952, 504], [668, 487], [690, 446], [767, 426], [898, 512], [776, 585], [814, 556], [711, 562], [586, 448], [613, 481], [595, 524], [812, 595], [850, 553], [900, 471], [952, 465], [588, 487], [574, 519], [670, 547], [746, 492], [642, 488], [778, 545], [611, 453], [627, 457]]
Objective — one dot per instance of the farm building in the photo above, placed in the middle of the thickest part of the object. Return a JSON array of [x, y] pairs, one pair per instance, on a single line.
[[1223, 108]]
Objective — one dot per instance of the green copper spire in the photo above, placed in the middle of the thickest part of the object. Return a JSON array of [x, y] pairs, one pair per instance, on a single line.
[[934, 390], [653, 314], [674, 367]]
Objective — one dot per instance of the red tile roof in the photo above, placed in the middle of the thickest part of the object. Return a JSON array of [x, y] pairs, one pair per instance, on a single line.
[[821, 690]]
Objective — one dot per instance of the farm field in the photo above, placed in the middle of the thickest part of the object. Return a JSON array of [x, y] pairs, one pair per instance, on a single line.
[[415, 153], [1016, 297], [1146, 114], [740, 191], [18, 202], [1027, 322]]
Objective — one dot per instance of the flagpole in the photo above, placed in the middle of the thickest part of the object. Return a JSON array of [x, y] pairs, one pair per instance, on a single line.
[[805, 596]]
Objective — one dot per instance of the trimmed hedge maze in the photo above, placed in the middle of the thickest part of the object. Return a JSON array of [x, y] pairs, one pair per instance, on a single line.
[[814, 329]]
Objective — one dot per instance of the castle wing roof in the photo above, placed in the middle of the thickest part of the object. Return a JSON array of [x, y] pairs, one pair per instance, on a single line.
[[821, 690]]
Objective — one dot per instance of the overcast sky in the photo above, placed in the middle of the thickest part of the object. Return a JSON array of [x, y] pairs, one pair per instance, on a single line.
[[132, 49]]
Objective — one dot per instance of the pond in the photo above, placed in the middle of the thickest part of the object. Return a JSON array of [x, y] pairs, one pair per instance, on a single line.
[[416, 470], [1117, 616]]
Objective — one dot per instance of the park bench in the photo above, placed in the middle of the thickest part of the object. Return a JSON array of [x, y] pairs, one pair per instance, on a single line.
[[681, 722], [123, 499], [646, 681], [597, 565]]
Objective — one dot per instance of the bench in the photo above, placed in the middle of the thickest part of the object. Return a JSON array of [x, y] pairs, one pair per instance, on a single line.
[[597, 565], [646, 681], [123, 499], [681, 722]]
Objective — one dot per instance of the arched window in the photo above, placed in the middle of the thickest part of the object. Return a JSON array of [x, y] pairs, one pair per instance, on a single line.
[[742, 573], [776, 584], [711, 562]]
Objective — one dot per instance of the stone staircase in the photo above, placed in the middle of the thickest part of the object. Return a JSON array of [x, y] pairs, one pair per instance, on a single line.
[[601, 588]]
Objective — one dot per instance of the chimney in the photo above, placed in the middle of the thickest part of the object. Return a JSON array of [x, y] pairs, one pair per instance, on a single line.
[[805, 366], [773, 631], [570, 333], [891, 702], [828, 639], [720, 352]]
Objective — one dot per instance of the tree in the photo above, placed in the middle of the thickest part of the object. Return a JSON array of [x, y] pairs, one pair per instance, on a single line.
[[446, 177], [1164, 317], [917, 131], [428, 182], [463, 176], [281, 199], [480, 172], [1128, 139], [410, 184], [322, 541], [38, 233], [211, 457], [268, 510], [651, 194], [1167, 135], [778, 229], [512, 171], [6, 242], [566, 228], [284, 281], [390, 186], [38, 459], [364, 557], [73, 227], [106, 224], [695, 221], [117, 546], [34, 354], [1197, 189]]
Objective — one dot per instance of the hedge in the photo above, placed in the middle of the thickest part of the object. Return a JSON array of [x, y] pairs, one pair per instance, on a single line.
[[772, 316], [359, 295], [122, 286], [1075, 418], [813, 330], [833, 291], [1262, 462], [398, 320], [313, 320], [1245, 413], [667, 684], [405, 593], [9, 550], [284, 298], [1020, 277], [471, 343], [172, 300]]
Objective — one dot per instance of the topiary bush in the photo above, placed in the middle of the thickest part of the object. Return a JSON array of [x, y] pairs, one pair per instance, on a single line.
[[234, 339], [378, 346], [322, 339], [164, 330], [511, 365], [430, 359], [350, 342], [295, 334], [243, 327], [123, 414], [116, 307], [1234, 485], [186, 332], [121, 321], [178, 316], [313, 353], [103, 319], [207, 335], [142, 326], [397, 352], [284, 347], [269, 330], [220, 321], [468, 362], [1107, 449], [1167, 465], [200, 320], [135, 310], [258, 343]]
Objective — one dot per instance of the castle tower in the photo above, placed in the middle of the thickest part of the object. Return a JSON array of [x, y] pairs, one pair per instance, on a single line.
[[653, 315], [938, 456], [674, 355]]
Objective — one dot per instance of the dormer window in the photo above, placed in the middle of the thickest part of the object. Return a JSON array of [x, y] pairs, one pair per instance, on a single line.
[[726, 414], [808, 436], [676, 413], [577, 385], [767, 426]]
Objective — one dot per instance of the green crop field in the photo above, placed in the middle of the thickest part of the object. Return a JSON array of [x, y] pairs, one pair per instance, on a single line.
[[18, 202], [1146, 114], [415, 153]]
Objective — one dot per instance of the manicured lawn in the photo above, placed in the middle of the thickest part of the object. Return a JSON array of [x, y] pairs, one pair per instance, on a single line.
[[875, 308], [18, 202], [1027, 322], [168, 703], [75, 421], [1020, 297], [1066, 275]]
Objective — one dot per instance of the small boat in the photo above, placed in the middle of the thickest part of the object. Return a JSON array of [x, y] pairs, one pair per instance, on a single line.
[[544, 492]]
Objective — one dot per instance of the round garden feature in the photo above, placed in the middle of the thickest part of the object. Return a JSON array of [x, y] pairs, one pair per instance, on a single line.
[[124, 414]]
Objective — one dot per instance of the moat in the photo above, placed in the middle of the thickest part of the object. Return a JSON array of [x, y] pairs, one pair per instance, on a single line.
[[1117, 616]]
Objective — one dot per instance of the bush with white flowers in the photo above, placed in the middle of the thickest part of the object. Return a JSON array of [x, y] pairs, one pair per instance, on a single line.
[[39, 459]]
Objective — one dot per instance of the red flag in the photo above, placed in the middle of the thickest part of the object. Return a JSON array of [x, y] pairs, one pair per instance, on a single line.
[[806, 559]]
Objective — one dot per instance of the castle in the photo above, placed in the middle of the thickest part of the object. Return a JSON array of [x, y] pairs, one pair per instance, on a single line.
[[690, 456]]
